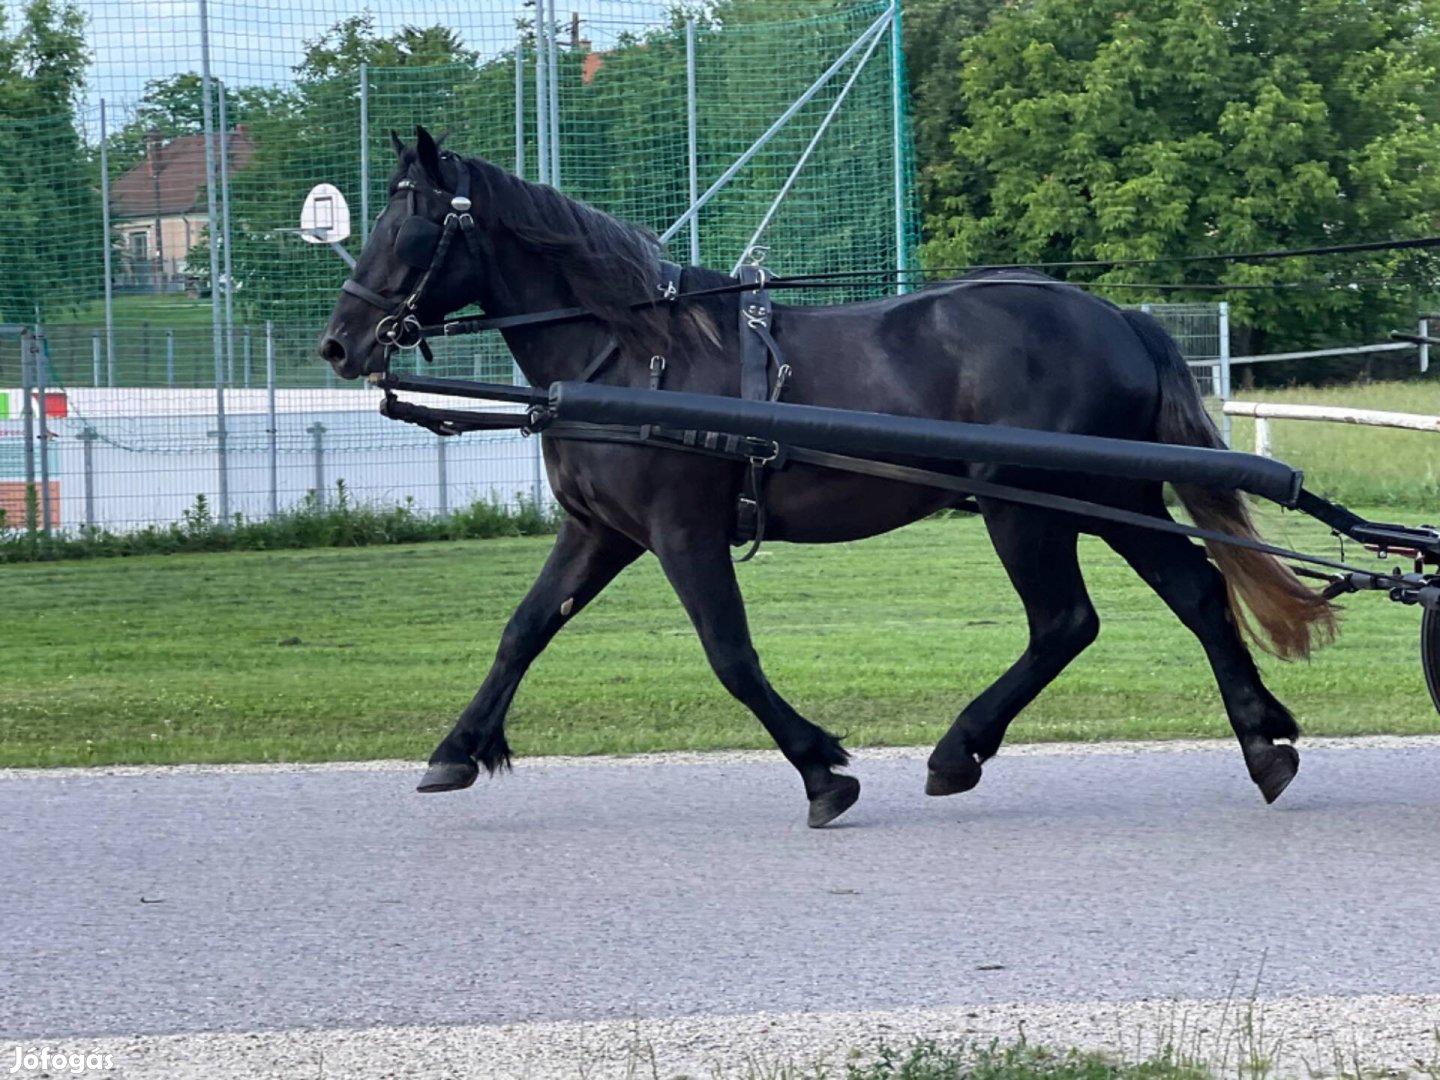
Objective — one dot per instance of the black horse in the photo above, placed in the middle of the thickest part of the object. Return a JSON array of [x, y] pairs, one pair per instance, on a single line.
[[1034, 354]]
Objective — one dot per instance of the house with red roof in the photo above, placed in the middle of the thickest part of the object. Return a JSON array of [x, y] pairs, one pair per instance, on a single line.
[[159, 208]]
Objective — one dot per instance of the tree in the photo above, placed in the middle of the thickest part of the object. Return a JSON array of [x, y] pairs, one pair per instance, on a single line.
[[311, 135], [1150, 128], [935, 32], [49, 205], [174, 106]]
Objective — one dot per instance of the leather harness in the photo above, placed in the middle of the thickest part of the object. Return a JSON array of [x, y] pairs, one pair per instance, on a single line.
[[399, 329]]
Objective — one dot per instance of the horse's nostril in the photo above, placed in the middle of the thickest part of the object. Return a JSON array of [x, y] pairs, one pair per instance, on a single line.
[[332, 351]]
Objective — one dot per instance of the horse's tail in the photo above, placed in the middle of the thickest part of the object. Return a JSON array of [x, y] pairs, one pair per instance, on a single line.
[[1293, 618]]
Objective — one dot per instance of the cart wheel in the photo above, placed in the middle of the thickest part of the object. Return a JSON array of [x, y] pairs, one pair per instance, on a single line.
[[1430, 652]]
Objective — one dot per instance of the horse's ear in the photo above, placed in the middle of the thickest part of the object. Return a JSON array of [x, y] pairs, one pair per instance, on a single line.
[[428, 152], [397, 144]]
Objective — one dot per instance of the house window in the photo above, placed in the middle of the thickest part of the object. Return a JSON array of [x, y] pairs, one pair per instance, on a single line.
[[139, 246]]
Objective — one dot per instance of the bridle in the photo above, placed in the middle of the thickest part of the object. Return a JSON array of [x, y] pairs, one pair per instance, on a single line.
[[424, 246]]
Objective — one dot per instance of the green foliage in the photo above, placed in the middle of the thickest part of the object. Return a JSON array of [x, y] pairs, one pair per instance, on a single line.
[[934, 33], [49, 206], [341, 522], [1151, 128]]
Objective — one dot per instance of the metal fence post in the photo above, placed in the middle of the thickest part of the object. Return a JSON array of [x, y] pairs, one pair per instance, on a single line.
[[542, 95], [229, 265], [1224, 370], [216, 338], [95, 358], [1262, 436], [364, 153], [105, 226], [44, 437], [441, 476], [27, 416], [693, 150], [169, 358], [1424, 348], [897, 148], [317, 432], [520, 109], [87, 442], [245, 353], [271, 429], [554, 99]]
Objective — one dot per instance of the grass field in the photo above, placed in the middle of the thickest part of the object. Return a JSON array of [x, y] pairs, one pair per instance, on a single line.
[[169, 311], [361, 653], [1374, 466]]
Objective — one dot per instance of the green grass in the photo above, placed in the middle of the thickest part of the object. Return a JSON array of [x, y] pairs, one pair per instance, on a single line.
[[352, 654], [1358, 464], [168, 311]]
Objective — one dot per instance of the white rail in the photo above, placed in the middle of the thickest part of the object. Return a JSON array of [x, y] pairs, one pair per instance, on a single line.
[[1263, 412]]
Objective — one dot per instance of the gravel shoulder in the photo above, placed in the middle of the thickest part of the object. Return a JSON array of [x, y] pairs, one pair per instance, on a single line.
[[1299, 1037]]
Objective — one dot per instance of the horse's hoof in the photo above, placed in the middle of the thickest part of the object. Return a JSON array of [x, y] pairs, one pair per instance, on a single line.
[[833, 801], [449, 776], [1272, 768], [953, 780]]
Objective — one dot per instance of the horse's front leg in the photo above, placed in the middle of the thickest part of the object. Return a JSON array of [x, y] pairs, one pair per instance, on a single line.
[[700, 571], [585, 559]]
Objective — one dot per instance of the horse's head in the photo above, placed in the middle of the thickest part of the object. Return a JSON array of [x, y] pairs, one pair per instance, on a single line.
[[419, 263]]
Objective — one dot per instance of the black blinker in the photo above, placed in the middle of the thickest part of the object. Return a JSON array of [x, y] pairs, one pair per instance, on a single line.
[[416, 241]]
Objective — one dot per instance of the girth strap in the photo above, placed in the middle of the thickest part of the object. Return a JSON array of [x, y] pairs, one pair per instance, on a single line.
[[757, 348], [756, 344]]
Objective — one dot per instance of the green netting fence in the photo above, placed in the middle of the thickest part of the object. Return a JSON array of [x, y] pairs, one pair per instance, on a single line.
[[312, 97], [170, 380]]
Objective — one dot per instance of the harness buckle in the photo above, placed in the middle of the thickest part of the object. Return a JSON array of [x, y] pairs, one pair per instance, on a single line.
[[668, 290], [758, 461], [782, 376], [657, 371]]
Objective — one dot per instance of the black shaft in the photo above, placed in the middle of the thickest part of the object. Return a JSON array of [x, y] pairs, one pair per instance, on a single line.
[[868, 434], [481, 391]]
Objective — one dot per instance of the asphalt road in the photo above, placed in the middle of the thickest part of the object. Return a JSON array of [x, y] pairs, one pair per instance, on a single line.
[[282, 900]]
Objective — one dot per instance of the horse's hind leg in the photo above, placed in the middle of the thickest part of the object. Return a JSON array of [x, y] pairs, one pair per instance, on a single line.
[[703, 577], [1038, 550], [586, 557], [1194, 590]]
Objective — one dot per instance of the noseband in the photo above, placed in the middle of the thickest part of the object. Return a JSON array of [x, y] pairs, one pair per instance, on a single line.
[[399, 328]]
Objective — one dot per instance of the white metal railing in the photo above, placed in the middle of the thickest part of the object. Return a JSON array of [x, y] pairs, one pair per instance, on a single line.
[[1263, 412]]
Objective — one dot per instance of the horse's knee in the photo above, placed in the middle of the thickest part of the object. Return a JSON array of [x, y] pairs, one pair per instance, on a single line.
[[1068, 634]]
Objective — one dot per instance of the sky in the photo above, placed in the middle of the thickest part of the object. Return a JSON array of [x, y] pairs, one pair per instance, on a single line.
[[260, 41]]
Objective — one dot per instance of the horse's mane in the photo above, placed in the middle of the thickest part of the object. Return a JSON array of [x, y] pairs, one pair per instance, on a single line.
[[607, 263]]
